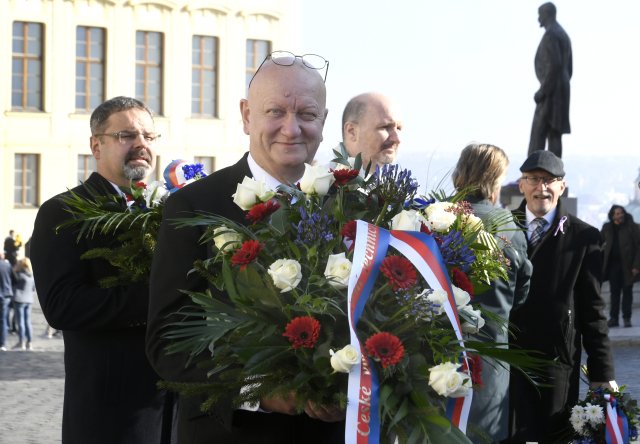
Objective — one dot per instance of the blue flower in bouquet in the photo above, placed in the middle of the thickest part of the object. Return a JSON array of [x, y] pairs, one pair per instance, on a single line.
[[193, 171], [455, 252], [392, 184], [313, 228]]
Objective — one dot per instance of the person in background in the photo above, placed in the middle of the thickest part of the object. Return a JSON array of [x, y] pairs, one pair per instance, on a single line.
[[371, 126], [479, 174], [283, 115], [12, 244], [563, 312], [24, 290], [621, 237], [110, 388], [6, 294]]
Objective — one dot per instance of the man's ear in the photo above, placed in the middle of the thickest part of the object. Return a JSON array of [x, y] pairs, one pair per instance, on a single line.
[[244, 112], [351, 131], [94, 144], [520, 185]]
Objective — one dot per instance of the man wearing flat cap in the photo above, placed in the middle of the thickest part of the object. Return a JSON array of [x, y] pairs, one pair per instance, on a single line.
[[564, 311]]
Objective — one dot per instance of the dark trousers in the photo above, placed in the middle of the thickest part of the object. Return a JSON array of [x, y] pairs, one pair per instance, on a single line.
[[616, 285]]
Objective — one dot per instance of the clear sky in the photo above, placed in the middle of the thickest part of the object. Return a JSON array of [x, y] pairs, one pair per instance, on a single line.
[[462, 71]]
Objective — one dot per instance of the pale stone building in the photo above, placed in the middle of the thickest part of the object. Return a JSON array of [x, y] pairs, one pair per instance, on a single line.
[[189, 60]]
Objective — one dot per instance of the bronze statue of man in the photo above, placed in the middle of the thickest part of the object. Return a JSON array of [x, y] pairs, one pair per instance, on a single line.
[[553, 65]]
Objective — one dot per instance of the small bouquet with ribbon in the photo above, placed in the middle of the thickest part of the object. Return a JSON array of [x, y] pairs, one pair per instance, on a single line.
[[337, 289], [605, 416], [134, 221]]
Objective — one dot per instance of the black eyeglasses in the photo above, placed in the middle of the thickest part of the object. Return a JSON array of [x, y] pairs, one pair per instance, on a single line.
[[286, 58], [534, 181], [127, 137]]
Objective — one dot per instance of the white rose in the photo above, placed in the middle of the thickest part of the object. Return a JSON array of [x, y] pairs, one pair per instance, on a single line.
[[226, 239], [344, 359], [338, 270], [472, 319], [407, 220], [155, 193], [286, 274], [439, 298], [250, 192], [473, 222], [316, 180], [439, 218], [462, 297], [447, 381]]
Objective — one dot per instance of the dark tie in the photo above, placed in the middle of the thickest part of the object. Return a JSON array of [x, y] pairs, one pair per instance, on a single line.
[[539, 224]]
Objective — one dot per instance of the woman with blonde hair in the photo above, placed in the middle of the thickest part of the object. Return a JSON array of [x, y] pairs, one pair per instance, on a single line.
[[479, 174], [25, 288]]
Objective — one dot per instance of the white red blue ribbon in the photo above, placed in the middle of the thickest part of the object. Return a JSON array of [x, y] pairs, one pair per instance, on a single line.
[[616, 423], [371, 244], [423, 252], [363, 413]]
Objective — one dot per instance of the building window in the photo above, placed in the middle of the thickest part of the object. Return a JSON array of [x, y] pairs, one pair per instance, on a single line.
[[86, 166], [209, 163], [25, 194], [26, 69], [204, 76], [90, 50], [149, 69], [257, 51]]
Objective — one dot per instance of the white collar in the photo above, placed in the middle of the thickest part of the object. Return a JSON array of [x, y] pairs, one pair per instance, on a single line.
[[548, 217], [261, 175]]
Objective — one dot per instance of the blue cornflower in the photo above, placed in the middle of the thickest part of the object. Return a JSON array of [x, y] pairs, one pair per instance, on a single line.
[[193, 171], [454, 251], [313, 228]]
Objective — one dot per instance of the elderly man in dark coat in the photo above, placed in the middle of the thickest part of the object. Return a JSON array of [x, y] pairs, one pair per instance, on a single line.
[[110, 393], [563, 312], [553, 64]]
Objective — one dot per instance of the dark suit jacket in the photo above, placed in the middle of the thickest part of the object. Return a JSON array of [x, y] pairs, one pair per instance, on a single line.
[[562, 314], [176, 251], [110, 393]]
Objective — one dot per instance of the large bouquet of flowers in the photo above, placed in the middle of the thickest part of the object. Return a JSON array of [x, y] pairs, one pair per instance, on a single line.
[[605, 416], [316, 303], [133, 221]]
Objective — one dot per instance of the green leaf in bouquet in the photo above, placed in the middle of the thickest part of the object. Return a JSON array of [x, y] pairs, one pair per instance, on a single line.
[[280, 220], [254, 288]]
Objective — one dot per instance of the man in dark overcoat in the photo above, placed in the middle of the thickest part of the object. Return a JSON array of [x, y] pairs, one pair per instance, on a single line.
[[284, 115], [110, 388], [564, 310], [554, 67]]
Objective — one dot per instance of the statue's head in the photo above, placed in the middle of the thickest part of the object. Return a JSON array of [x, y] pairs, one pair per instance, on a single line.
[[546, 14]]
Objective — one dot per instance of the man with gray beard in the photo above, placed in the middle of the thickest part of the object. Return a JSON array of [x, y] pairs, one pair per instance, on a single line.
[[110, 387]]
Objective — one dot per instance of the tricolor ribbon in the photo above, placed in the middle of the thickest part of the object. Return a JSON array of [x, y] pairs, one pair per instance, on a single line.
[[616, 423], [371, 244], [423, 252]]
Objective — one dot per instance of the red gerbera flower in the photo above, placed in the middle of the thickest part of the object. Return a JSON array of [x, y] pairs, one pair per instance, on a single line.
[[302, 331], [246, 253], [141, 185], [261, 210], [343, 176], [349, 230], [386, 348], [475, 362], [399, 271], [461, 280]]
